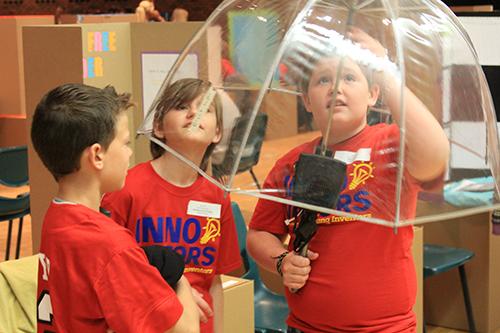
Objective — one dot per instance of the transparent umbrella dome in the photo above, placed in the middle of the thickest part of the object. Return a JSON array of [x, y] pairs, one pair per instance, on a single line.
[[386, 99]]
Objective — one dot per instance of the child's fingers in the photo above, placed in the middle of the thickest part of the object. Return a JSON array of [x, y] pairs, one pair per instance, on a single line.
[[207, 310], [203, 316], [297, 279], [366, 41], [293, 259], [312, 255], [203, 307]]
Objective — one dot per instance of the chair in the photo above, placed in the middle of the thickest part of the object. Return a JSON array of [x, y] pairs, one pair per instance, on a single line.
[[439, 259], [14, 173], [251, 151], [270, 308]]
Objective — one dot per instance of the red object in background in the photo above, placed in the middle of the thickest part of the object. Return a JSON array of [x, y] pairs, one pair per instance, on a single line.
[[227, 68]]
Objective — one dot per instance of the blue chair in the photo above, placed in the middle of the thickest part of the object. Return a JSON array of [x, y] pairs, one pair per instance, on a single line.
[[14, 173], [439, 259], [270, 308]]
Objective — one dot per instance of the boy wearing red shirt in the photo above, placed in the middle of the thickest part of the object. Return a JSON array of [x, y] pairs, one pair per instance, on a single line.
[[166, 202], [357, 277], [93, 277]]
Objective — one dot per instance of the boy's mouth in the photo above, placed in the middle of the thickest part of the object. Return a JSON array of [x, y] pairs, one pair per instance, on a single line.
[[189, 125], [337, 103]]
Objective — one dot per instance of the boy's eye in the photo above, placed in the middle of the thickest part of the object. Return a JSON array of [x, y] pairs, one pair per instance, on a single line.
[[324, 80], [182, 107], [349, 77]]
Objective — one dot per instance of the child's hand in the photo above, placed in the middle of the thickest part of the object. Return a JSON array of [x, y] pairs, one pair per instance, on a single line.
[[366, 41], [296, 269], [203, 308]]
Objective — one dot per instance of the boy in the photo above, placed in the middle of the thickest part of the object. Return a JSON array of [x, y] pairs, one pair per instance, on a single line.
[[93, 277], [167, 203], [360, 276]]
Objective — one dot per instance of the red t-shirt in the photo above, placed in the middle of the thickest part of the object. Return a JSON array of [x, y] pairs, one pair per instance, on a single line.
[[196, 221], [92, 277], [364, 279]]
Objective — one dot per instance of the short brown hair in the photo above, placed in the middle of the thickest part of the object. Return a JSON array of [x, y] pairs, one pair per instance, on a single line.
[[178, 93], [72, 117]]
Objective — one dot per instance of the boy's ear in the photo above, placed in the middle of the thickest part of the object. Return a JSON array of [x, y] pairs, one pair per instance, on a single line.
[[95, 156], [218, 136], [374, 94], [306, 101], [158, 130]]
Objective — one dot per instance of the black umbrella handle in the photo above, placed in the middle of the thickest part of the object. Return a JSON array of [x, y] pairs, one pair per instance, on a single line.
[[303, 252]]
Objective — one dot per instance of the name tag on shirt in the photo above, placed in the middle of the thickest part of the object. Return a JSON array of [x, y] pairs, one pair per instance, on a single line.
[[204, 209], [348, 157]]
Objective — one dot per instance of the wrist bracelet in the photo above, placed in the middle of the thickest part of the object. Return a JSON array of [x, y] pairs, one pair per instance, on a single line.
[[279, 262]]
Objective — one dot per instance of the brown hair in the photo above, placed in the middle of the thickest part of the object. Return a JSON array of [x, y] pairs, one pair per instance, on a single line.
[[72, 117], [178, 93]]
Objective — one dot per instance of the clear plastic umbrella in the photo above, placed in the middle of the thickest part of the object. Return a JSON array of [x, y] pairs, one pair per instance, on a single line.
[[261, 56]]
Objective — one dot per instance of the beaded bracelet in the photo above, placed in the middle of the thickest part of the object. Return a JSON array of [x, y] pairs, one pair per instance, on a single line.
[[279, 262]]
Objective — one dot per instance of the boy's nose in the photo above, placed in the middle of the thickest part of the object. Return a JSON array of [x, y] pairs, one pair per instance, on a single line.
[[332, 88], [191, 111]]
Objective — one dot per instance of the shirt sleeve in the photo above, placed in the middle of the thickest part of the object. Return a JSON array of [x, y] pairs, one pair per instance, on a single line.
[[118, 204], [229, 252], [270, 215], [134, 297]]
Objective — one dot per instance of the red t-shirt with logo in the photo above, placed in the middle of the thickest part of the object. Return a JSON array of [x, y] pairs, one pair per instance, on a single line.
[[196, 221], [93, 276], [364, 279]]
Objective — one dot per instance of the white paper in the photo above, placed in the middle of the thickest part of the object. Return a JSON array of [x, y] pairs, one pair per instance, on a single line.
[[204, 209], [155, 67]]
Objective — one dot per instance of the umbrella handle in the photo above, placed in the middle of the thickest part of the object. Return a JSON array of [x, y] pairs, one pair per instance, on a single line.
[[303, 252]]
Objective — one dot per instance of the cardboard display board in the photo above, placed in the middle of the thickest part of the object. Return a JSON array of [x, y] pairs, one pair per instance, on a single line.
[[12, 130], [238, 305], [282, 112], [97, 55], [12, 100]]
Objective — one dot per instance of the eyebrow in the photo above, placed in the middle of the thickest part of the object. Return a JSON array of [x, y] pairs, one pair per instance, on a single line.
[[328, 69]]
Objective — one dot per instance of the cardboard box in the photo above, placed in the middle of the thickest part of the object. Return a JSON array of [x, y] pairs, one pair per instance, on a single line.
[[238, 305]]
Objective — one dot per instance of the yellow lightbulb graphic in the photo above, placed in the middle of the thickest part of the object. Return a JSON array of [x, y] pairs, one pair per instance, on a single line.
[[212, 230], [361, 173]]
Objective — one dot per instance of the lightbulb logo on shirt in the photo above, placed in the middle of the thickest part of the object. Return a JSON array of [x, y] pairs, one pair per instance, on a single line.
[[360, 174], [212, 230]]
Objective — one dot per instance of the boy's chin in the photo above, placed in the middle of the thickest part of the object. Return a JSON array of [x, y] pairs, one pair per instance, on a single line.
[[197, 138], [114, 186]]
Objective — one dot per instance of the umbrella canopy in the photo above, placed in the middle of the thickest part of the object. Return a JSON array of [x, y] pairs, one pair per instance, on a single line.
[[273, 56]]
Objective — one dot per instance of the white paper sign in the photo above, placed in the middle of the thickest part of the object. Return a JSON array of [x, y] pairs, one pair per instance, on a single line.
[[155, 67]]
